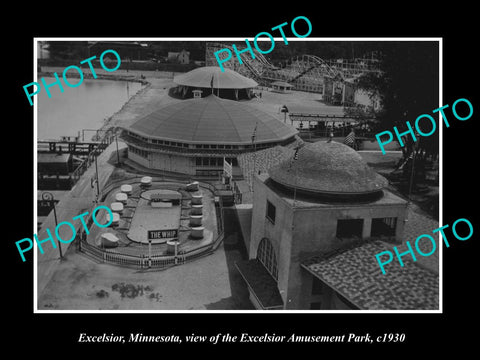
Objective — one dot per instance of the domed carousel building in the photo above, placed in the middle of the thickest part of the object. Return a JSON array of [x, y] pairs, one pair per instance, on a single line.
[[194, 136], [319, 218], [209, 80]]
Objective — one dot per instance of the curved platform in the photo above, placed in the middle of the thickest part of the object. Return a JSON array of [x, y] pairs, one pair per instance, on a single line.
[[157, 217]]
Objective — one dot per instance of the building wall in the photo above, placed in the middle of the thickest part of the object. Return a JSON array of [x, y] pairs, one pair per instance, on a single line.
[[279, 233], [348, 96], [138, 159], [173, 163], [184, 57], [315, 231]]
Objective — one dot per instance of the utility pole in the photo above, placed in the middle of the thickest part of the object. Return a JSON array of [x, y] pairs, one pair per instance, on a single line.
[[47, 196], [96, 173], [116, 142]]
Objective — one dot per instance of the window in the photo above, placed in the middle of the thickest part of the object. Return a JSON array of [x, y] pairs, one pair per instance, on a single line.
[[384, 226], [349, 228], [271, 212], [266, 255], [139, 152], [198, 161]]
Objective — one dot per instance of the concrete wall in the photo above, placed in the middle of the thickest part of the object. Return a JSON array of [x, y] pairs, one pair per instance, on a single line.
[[279, 234], [315, 231], [244, 215]]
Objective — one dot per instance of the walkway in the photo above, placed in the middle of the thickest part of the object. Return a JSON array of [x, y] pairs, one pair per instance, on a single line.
[[80, 199], [208, 283]]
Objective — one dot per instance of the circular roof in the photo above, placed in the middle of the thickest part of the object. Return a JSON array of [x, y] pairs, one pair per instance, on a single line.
[[202, 78], [212, 120], [329, 168]]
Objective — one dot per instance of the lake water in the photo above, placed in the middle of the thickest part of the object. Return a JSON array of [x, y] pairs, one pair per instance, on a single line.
[[84, 107]]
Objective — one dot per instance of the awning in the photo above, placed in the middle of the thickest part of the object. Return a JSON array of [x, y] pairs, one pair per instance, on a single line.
[[260, 283]]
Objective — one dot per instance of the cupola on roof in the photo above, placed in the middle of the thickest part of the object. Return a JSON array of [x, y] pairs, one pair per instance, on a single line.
[[213, 76]]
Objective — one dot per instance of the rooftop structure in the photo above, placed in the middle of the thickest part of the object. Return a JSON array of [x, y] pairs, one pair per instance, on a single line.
[[281, 86], [328, 168], [196, 134], [202, 78], [319, 218], [210, 79]]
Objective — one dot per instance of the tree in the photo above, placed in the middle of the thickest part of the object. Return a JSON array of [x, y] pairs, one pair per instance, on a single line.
[[407, 85]]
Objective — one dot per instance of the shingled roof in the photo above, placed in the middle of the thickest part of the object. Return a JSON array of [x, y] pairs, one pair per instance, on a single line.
[[212, 120], [356, 275]]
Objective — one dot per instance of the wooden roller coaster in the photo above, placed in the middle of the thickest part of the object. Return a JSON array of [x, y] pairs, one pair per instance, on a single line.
[[305, 72]]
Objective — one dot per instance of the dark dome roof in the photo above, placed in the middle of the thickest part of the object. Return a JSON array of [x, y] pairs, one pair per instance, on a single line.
[[212, 120], [328, 168], [202, 78]]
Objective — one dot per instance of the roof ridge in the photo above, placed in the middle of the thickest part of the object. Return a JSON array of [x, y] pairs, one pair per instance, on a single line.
[[229, 117], [205, 104]]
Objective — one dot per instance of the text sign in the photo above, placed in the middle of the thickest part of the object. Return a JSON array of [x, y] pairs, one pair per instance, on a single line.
[[162, 234]]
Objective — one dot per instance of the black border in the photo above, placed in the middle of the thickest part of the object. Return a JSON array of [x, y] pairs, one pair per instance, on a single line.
[[432, 332]]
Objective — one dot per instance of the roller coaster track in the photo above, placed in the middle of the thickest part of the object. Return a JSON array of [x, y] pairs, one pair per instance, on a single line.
[[300, 70], [308, 63], [255, 66]]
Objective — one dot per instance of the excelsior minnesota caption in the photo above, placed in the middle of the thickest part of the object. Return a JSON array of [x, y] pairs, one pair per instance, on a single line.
[[138, 337]]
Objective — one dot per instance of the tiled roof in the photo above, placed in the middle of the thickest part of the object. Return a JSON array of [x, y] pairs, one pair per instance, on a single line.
[[356, 275]]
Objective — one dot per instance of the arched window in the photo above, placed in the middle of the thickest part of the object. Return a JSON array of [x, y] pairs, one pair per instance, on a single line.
[[266, 255]]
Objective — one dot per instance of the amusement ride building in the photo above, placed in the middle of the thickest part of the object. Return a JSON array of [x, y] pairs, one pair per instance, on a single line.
[[319, 217], [195, 135], [226, 84]]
